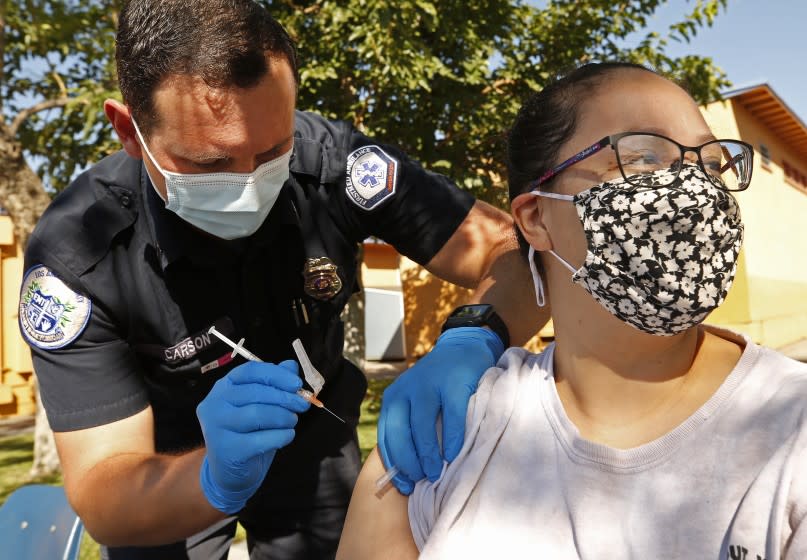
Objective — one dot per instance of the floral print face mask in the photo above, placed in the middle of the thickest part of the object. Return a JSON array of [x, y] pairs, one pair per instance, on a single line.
[[659, 258]]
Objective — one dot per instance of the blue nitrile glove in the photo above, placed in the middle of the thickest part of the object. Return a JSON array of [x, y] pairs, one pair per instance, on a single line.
[[248, 415], [440, 382]]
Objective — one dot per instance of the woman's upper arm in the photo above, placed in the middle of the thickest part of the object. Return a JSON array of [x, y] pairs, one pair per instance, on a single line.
[[377, 525]]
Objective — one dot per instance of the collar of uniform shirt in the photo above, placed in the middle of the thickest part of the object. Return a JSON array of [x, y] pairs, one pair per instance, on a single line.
[[174, 238]]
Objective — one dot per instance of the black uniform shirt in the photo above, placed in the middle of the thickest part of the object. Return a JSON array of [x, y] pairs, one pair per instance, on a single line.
[[119, 292]]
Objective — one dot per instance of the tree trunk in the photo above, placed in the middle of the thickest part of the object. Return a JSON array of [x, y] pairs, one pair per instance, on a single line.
[[46, 459], [22, 193], [23, 196]]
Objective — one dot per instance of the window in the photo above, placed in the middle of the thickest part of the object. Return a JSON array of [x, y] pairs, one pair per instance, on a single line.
[[793, 175], [765, 155]]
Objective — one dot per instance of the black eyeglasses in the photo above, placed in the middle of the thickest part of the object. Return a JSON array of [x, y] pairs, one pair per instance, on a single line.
[[727, 163]]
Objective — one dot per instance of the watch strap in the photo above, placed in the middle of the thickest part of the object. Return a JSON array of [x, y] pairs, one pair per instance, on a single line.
[[490, 320]]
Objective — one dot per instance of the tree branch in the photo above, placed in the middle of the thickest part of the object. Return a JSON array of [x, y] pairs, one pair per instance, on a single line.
[[313, 9], [497, 86], [33, 109], [58, 79]]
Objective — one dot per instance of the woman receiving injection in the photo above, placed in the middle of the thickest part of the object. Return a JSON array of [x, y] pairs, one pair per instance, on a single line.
[[640, 432]]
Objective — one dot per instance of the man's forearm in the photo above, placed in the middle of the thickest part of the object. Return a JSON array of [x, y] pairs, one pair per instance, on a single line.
[[144, 500]]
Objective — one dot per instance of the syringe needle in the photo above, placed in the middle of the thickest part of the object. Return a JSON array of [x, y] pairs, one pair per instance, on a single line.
[[310, 397], [238, 349], [334, 415]]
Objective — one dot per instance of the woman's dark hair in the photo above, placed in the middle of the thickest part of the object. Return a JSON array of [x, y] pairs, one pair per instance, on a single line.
[[224, 42], [545, 122]]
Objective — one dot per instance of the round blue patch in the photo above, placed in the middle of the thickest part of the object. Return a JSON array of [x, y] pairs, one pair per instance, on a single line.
[[51, 314]]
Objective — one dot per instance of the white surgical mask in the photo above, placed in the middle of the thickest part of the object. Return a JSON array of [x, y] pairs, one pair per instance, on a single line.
[[227, 205]]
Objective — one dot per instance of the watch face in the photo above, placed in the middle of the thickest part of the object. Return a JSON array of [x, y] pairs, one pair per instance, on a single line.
[[472, 311]]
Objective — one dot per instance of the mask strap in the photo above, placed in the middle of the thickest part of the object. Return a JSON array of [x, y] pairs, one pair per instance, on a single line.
[[567, 197], [145, 147], [154, 161], [540, 296], [564, 262], [536, 279]]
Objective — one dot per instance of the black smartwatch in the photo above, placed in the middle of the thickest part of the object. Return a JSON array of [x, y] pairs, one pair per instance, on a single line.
[[478, 315]]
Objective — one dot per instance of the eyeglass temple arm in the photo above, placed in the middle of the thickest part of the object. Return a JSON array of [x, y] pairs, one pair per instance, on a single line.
[[580, 156]]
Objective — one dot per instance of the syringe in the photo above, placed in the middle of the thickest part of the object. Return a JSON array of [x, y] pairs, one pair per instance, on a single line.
[[239, 349]]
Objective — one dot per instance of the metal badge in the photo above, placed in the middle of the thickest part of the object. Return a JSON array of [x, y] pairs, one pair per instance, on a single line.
[[321, 280]]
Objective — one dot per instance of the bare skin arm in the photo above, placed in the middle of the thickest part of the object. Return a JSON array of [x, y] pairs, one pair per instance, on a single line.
[[125, 492], [483, 254], [377, 526]]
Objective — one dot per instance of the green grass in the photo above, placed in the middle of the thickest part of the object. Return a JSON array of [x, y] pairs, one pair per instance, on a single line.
[[17, 455], [369, 415]]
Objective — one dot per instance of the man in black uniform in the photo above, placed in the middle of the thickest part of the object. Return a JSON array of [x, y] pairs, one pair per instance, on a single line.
[[229, 208]]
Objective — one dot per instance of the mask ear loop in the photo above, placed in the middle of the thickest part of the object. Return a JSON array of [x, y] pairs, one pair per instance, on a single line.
[[536, 279], [540, 294], [564, 262], [146, 148], [154, 161]]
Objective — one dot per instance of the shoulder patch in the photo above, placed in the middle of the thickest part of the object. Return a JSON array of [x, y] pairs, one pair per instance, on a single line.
[[371, 176], [51, 314]]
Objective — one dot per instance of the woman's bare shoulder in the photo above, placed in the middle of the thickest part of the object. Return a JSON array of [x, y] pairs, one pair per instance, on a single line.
[[377, 524]]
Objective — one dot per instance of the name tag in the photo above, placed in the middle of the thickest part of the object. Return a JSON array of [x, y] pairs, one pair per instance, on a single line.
[[189, 347]]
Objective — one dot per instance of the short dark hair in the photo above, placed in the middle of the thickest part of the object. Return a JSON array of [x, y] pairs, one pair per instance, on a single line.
[[545, 122], [224, 42]]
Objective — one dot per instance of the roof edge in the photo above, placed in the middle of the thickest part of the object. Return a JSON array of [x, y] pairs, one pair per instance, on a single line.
[[764, 85]]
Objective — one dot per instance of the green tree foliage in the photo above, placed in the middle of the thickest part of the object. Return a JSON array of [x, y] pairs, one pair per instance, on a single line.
[[58, 67], [440, 78], [444, 78]]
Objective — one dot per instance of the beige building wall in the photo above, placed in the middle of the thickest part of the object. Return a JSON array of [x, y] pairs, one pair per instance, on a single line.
[[16, 377], [428, 302], [380, 267], [769, 298]]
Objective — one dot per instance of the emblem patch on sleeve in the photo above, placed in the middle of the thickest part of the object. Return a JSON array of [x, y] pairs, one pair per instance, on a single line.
[[51, 314], [371, 176]]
